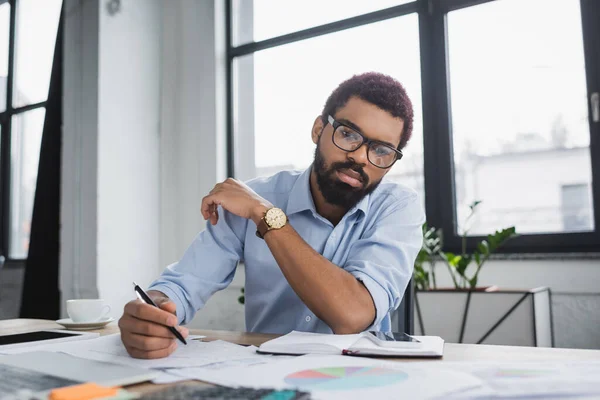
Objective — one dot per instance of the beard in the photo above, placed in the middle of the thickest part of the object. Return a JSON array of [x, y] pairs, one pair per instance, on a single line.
[[336, 192]]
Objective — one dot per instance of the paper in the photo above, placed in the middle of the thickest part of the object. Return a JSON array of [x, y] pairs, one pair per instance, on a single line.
[[165, 376], [309, 342], [341, 377], [195, 353], [77, 336], [523, 380]]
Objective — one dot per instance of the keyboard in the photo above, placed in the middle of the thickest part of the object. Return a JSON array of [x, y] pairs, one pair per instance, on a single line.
[[189, 392], [13, 379]]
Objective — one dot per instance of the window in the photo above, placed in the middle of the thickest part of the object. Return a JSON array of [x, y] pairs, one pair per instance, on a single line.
[[271, 18], [501, 91], [519, 111], [576, 207], [280, 126], [262, 80], [27, 38]]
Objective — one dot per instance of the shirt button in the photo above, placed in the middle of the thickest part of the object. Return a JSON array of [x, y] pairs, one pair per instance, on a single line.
[[308, 318]]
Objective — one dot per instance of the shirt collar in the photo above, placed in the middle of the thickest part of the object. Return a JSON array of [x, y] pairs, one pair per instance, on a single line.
[[301, 197]]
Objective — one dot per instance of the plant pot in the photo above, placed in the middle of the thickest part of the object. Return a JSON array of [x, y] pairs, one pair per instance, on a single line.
[[486, 315]]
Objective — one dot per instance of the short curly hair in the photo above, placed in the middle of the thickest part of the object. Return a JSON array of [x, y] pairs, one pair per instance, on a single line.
[[381, 90]]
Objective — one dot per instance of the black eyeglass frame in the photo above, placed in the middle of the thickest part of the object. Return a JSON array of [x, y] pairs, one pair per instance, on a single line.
[[336, 124]]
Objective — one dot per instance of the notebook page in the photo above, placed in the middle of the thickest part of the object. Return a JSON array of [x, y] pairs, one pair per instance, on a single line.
[[307, 342]]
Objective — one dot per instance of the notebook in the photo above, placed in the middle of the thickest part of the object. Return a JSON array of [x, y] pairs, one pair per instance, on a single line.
[[359, 344]]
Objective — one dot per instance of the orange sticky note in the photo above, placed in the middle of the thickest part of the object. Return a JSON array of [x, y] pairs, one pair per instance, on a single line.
[[82, 392]]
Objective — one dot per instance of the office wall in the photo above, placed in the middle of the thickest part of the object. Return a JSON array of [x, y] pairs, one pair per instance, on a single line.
[[110, 210], [192, 144], [193, 157], [128, 147]]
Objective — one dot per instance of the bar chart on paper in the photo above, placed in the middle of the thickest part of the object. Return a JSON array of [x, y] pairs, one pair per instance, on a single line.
[[344, 378]]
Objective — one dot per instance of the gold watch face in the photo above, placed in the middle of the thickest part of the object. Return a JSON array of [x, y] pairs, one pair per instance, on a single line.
[[275, 218]]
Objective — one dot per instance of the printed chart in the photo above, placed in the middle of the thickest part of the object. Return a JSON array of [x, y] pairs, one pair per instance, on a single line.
[[344, 378], [522, 373]]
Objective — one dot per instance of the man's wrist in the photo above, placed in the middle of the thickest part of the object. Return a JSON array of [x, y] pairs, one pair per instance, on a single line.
[[153, 294], [259, 212]]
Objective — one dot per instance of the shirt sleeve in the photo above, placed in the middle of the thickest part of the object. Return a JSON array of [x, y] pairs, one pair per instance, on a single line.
[[383, 258], [207, 266]]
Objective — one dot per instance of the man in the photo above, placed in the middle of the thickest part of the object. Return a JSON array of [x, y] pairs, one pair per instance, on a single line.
[[328, 250]]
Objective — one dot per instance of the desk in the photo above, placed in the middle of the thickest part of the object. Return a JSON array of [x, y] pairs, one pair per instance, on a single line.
[[452, 351]]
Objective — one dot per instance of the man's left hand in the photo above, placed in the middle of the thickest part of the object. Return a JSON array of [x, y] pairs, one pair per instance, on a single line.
[[235, 197]]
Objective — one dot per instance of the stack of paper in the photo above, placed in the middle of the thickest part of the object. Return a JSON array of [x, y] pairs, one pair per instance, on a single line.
[[212, 355], [340, 377]]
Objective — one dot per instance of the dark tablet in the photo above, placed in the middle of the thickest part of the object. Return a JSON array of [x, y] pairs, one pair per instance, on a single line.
[[34, 337]]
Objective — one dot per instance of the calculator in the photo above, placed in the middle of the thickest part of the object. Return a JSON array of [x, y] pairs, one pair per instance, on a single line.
[[185, 392]]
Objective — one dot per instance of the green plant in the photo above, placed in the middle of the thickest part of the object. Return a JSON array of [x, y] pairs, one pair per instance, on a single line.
[[425, 278], [463, 274]]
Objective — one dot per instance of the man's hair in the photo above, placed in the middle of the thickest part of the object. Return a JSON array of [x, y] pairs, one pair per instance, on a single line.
[[381, 90]]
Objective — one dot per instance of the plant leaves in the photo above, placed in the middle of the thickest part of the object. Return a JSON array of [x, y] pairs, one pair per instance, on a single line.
[[474, 204], [473, 282], [483, 248], [462, 264]]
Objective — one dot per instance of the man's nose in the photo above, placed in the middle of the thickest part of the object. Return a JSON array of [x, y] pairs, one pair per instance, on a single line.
[[360, 155]]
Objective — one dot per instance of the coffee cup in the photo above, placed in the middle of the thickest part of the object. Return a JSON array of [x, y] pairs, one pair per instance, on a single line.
[[87, 310]]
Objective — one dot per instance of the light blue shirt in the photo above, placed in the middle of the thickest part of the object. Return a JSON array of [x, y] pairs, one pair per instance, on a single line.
[[377, 241]]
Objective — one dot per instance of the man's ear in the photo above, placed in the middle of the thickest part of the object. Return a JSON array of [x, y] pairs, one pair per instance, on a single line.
[[317, 129]]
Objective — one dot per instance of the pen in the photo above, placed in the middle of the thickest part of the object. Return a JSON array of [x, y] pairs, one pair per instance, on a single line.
[[146, 299]]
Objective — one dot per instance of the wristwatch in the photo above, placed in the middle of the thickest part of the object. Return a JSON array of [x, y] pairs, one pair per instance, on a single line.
[[274, 218]]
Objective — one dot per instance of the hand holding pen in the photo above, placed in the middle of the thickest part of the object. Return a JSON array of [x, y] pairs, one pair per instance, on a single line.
[[147, 330]]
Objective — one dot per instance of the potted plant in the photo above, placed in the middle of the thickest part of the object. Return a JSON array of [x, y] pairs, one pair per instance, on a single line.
[[464, 268], [468, 313]]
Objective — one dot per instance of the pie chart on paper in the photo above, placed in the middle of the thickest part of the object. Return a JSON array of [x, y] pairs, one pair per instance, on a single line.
[[344, 378]]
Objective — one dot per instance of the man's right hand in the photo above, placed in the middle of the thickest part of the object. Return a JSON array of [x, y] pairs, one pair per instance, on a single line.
[[144, 327]]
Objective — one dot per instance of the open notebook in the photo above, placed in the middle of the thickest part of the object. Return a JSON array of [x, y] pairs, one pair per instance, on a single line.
[[318, 343]]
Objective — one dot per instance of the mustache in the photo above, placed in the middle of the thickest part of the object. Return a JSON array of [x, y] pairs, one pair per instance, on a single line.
[[353, 166]]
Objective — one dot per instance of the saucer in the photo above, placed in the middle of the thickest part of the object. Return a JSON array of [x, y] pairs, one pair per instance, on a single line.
[[69, 324]]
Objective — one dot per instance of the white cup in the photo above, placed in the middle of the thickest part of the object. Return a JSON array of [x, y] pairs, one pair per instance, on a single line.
[[87, 310]]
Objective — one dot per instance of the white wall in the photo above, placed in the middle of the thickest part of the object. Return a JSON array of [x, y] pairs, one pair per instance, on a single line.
[[128, 148], [193, 138], [110, 209], [193, 118]]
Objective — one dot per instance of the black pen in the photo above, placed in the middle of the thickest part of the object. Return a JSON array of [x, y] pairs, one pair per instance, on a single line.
[[146, 299]]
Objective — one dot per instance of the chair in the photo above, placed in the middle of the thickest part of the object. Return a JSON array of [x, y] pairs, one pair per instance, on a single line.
[[404, 315]]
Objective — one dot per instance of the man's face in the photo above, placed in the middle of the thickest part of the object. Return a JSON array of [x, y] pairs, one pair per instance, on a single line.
[[344, 178]]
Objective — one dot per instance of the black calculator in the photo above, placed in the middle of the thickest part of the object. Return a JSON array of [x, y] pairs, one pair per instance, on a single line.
[[192, 392]]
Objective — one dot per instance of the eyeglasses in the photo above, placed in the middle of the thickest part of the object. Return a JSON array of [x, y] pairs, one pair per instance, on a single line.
[[380, 154]]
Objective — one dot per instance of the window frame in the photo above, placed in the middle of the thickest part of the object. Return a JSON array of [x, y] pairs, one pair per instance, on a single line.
[[6, 117], [438, 168]]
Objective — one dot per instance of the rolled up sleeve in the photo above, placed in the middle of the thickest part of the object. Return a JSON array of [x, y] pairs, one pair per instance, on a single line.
[[383, 258], [207, 266]]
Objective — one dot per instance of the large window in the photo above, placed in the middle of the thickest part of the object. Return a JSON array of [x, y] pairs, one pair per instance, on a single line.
[[27, 38], [502, 91], [519, 111]]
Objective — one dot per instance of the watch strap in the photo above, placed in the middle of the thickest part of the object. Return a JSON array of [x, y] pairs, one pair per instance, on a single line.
[[262, 228]]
